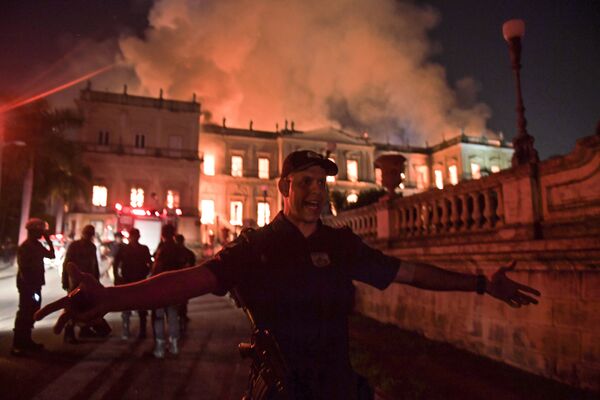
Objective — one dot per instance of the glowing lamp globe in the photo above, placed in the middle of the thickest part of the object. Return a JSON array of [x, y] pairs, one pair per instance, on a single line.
[[514, 28]]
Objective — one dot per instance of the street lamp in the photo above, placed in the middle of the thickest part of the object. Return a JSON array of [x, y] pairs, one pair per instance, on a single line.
[[524, 152]]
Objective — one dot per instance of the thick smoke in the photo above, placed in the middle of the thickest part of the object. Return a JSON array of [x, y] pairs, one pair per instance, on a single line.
[[360, 65]]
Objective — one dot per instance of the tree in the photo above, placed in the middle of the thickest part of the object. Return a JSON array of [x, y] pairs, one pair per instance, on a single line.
[[60, 176], [365, 197]]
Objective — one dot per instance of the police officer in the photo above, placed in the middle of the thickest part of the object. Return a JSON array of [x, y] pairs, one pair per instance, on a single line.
[[30, 279], [295, 275], [131, 264]]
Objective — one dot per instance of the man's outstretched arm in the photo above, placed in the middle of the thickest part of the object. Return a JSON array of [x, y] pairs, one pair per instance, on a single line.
[[426, 276], [91, 300]]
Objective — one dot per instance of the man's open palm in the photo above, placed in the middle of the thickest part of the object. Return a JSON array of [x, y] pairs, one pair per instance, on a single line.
[[509, 291]]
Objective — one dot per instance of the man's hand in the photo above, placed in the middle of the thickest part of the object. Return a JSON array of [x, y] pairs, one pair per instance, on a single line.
[[86, 303], [46, 236], [509, 291]]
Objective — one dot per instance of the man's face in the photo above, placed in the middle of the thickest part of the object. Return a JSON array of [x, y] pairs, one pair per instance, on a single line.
[[307, 194]]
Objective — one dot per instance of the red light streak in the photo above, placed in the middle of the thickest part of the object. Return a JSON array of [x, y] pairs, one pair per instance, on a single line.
[[57, 89]]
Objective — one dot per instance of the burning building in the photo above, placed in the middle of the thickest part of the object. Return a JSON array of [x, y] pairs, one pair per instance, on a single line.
[[153, 162]]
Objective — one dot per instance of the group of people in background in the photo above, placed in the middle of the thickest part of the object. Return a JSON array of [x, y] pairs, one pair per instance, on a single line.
[[132, 262]]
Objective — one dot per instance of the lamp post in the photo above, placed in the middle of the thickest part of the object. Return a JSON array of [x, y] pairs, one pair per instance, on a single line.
[[524, 152]]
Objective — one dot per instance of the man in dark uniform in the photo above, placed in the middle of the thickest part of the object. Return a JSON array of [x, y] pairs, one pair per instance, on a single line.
[[131, 264], [190, 261], [83, 253], [295, 275], [30, 279]]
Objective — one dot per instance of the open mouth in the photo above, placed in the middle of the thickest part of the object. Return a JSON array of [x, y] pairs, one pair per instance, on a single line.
[[312, 205]]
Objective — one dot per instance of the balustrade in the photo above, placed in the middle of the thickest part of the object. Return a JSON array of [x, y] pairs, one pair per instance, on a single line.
[[473, 206]]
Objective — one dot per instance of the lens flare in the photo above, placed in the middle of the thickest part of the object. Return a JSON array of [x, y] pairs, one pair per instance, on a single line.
[[19, 103]]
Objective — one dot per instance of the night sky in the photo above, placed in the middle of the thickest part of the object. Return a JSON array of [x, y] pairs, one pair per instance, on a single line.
[[561, 55]]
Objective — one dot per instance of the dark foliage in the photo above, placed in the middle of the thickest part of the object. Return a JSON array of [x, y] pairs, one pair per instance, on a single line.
[[59, 173]]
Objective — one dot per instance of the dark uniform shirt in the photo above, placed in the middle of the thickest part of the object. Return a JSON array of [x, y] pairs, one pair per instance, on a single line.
[[169, 256], [83, 253], [132, 263], [189, 256], [301, 290], [30, 261]]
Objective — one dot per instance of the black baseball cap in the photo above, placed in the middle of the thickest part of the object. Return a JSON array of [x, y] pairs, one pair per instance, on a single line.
[[303, 159]]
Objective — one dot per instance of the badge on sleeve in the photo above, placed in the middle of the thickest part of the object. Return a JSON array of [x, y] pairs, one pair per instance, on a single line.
[[320, 259]]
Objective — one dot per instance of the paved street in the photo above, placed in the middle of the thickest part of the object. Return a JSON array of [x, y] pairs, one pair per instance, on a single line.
[[208, 366], [407, 366]]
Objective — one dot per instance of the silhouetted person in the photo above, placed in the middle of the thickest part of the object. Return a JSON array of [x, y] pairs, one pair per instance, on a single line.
[[190, 261], [30, 279], [295, 276], [83, 253], [169, 257], [131, 264], [115, 246]]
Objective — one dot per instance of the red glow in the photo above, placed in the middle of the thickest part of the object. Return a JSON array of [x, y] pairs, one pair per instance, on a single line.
[[119, 207], [19, 103]]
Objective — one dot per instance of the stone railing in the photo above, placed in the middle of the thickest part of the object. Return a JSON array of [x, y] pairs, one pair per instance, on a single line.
[[473, 207], [363, 221], [469, 207], [162, 152], [546, 217]]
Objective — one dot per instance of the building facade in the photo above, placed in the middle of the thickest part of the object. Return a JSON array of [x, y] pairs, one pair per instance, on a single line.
[[238, 184], [143, 153], [152, 160]]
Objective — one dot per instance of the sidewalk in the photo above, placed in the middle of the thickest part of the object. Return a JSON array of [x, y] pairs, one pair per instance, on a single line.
[[8, 270], [405, 365]]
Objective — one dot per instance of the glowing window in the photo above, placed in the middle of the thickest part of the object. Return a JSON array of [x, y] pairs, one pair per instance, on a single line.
[[475, 171], [136, 197], [172, 199], [331, 179], [207, 211], [439, 179], [453, 173], [236, 211], [237, 165], [422, 172], [378, 177], [99, 195], [263, 168], [209, 164], [352, 170], [263, 213], [352, 198], [495, 168]]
